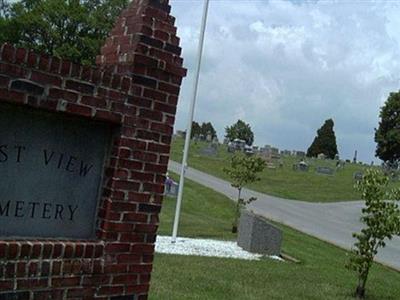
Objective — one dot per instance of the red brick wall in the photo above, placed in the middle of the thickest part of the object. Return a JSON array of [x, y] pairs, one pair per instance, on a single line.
[[135, 88]]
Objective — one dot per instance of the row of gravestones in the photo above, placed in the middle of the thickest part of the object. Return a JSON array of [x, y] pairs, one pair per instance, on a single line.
[[212, 150], [323, 170], [320, 170], [208, 138]]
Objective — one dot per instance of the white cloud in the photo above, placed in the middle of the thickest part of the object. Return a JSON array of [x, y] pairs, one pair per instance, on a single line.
[[285, 67]]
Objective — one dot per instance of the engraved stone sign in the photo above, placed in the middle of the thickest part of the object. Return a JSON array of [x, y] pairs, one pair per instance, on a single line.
[[51, 169]]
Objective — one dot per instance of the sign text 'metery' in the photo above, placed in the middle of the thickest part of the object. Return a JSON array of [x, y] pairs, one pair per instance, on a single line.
[[51, 168]]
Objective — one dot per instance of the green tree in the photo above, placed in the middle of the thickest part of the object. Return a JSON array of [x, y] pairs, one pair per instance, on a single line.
[[4, 20], [381, 217], [207, 128], [324, 142], [387, 136], [74, 29], [240, 130], [242, 171], [4, 8], [196, 129]]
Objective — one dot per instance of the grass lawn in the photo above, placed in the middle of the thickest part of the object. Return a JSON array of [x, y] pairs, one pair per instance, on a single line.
[[320, 275], [282, 182], [204, 213]]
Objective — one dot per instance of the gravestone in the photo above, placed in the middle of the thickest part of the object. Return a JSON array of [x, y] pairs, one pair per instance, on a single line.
[[300, 154], [325, 170], [83, 154], [210, 150], [256, 235], [340, 164], [181, 134], [248, 150], [171, 187], [358, 175], [173, 190], [393, 174], [302, 166], [195, 138]]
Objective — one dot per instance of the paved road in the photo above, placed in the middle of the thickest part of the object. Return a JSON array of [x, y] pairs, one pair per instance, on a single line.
[[332, 222]]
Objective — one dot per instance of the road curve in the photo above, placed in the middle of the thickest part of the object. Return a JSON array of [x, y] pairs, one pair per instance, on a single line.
[[332, 222]]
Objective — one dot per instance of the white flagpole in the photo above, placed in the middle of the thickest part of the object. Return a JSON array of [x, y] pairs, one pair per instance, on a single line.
[[190, 120]]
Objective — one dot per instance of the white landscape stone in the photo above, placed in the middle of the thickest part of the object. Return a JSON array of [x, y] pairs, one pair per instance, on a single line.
[[205, 247]]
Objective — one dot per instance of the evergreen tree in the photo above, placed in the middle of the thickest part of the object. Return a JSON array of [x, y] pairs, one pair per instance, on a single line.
[[387, 136], [240, 130], [324, 142], [196, 129], [207, 128]]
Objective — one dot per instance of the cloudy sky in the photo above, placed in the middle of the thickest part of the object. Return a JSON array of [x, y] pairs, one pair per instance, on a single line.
[[286, 66]]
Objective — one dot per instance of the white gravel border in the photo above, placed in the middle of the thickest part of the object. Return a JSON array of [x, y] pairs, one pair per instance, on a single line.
[[205, 247]]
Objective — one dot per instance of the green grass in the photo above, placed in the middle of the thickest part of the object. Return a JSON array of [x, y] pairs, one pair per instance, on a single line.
[[282, 182], [204, 213], [320, 275]]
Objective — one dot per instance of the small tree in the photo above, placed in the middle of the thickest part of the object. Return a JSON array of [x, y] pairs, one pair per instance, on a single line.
[[242, 171], [381, 217], [240, 130], [324, 142], [387, 136]]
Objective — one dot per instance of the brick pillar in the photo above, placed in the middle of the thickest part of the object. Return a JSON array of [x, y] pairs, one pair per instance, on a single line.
[[143, 45], [144, 42]]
